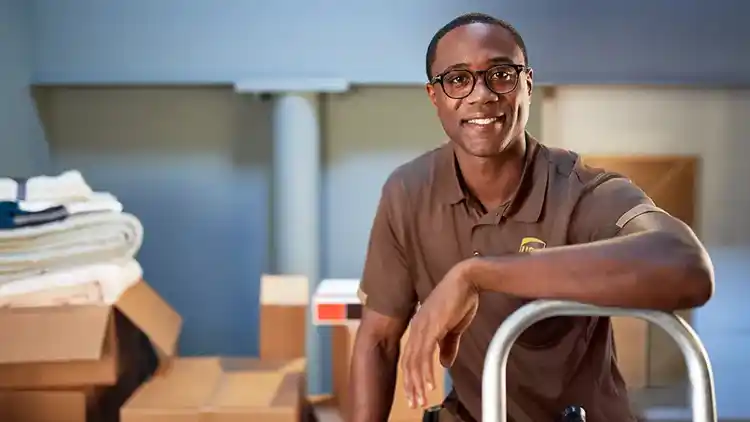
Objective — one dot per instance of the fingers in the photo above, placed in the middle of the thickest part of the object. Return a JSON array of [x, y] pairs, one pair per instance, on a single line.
[[417, 366]]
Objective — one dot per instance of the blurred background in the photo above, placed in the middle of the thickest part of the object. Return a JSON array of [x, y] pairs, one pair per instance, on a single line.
[[253, 137]]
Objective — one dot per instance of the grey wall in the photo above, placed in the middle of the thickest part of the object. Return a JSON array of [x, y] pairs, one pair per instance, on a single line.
[[23, 149], [572, 41], [194, 165]]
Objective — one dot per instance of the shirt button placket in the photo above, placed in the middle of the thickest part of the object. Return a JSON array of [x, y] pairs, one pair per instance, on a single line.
[[474, 231]]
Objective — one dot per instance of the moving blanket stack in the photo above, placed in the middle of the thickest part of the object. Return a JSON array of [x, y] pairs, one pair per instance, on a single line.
[[79, 328], [83, 338], [50, 226]]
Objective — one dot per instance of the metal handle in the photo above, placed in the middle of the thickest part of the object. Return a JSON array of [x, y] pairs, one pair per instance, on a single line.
[[494, 399]]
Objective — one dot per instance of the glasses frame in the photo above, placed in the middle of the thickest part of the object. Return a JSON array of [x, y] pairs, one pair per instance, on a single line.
[[519, 68]]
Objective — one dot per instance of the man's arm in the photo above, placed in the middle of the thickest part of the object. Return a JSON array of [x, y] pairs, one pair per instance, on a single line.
[[387, 293], [654, 261], [374, 366]]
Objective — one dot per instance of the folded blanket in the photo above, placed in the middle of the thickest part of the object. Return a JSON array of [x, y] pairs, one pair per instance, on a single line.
[[95, 284], [13, 217], [96, 202], [16, 214], [65, 186], [78, 240]]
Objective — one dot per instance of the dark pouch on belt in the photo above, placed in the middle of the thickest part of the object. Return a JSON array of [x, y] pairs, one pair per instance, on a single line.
[[432, 414]]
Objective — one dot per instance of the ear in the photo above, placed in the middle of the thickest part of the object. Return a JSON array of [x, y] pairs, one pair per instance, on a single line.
[[529, 81], [430, 88]]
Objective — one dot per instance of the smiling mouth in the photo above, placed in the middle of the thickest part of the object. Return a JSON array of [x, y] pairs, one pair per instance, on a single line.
[[483, 121]]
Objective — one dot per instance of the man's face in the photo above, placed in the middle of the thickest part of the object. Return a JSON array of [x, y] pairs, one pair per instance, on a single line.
[[502, 118]]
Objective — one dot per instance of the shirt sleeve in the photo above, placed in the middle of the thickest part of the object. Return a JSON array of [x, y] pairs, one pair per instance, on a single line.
[[387, 286], [606, 208]]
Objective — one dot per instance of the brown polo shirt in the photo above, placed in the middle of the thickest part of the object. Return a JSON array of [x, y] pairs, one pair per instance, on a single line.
[[426, 222]]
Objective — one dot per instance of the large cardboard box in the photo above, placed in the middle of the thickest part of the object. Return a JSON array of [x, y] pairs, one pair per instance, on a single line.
[[85, 360], [284, 301], [214, 389], [74, 346]]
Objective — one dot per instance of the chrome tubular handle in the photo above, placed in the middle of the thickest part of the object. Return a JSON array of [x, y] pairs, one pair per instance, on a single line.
[[494, 399]]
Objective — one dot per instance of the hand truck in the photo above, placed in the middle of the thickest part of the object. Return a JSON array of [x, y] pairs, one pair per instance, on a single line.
[[494, 400]]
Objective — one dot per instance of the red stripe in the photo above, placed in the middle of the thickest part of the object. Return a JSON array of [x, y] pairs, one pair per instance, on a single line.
[[331, 311]]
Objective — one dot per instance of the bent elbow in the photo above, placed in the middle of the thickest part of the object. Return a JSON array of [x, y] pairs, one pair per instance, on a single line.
[[698, 283]]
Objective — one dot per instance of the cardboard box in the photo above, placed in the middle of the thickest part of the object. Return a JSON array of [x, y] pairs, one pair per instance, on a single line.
[[336, 302], [81, 346], [214, 389], [45, 406], [284, 300], [342, 345]]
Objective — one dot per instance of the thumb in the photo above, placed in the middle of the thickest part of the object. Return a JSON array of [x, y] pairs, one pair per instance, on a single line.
[[449, 344], [449, 349]]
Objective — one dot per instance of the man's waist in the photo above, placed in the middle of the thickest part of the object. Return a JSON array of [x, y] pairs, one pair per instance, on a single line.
[[615, 407]]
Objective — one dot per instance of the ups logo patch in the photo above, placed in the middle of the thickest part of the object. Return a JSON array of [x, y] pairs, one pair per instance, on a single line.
[[530, 244]]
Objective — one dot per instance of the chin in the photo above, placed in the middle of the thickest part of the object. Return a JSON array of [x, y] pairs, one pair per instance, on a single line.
[[485, 148]]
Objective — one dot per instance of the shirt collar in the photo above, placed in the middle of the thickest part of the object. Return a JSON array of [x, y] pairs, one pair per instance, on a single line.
[[528, 201]]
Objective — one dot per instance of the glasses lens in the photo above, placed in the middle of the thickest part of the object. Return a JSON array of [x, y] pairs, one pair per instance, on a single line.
[[458, 83], [502, 79]]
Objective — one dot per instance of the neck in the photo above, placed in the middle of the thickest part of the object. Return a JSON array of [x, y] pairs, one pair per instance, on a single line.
[[493, 180]]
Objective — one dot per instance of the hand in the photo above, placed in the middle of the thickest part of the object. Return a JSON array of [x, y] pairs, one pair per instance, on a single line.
[[440, 321]]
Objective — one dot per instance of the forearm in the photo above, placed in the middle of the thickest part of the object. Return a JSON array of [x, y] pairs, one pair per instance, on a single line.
[[652, 270], [373, 380]]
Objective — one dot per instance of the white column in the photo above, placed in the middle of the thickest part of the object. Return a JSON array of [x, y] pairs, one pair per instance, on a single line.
[[297, 209]]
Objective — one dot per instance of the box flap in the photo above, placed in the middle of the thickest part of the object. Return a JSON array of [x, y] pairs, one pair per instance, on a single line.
[[246, 389], [152, 315], [239, 364], [213, 386], [53, 334], [189, 385], [265, 390]]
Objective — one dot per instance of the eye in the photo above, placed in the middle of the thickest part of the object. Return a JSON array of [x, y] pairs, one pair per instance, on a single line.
[[500, 75], [458, 79]]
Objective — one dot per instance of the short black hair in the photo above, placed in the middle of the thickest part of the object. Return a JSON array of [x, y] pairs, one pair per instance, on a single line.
[[468, 19]]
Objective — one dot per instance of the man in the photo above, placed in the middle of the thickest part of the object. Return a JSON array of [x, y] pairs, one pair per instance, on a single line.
[[491, 220]]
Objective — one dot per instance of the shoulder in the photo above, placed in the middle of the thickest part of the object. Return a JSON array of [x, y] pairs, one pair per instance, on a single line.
[[601, 200], [415, 176], [570, 166]]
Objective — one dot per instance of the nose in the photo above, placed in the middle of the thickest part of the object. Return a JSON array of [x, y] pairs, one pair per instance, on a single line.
[[481, 93]]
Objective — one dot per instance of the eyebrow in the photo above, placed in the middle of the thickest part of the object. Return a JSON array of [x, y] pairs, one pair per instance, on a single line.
[[494, 61]]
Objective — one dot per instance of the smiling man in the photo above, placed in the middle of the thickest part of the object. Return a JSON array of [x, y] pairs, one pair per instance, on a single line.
[[481, 225]]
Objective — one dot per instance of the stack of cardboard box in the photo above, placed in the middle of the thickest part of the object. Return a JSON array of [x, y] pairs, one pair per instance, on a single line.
[[78, 363], [271, 388], [107, 363]]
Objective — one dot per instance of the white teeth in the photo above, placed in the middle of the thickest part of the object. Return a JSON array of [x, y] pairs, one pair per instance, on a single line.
[[486, 121]]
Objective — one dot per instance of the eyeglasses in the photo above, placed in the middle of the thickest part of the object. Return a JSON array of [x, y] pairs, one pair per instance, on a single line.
[[460, 83]]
